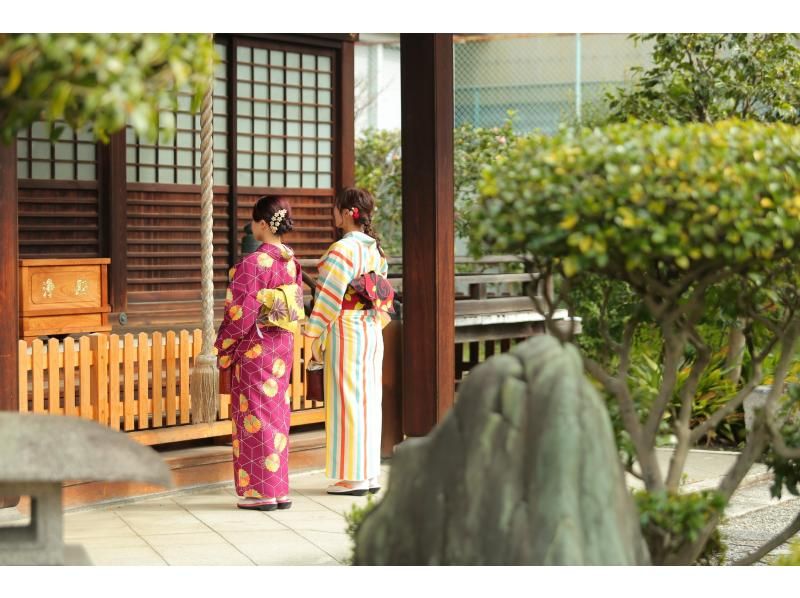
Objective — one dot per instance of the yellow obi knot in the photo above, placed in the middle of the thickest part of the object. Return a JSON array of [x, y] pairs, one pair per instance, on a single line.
[[281, 307]]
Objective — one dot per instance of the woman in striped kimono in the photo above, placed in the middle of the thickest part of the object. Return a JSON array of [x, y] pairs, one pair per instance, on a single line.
[[347, 330], [256, 338]]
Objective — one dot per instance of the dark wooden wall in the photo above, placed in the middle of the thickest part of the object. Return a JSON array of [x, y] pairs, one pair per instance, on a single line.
[[151, 231], [59, 218], [312, 216], [163, 238]]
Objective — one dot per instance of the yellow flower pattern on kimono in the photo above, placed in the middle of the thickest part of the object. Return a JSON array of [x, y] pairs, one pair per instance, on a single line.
[[348, 297], [235, 312], [264, 296], [231, 273], [225, 362], [272, 462], [252, 424], [279, 368], [233, 432], [255, 351], [270, 387], [265, 261]]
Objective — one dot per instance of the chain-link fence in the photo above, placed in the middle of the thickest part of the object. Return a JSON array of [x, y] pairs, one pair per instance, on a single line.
[[546, 79]]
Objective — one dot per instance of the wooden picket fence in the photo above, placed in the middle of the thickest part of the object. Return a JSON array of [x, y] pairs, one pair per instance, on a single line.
[[135, 383]]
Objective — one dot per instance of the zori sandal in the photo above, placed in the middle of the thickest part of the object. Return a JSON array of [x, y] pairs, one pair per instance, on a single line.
[[345, 488]]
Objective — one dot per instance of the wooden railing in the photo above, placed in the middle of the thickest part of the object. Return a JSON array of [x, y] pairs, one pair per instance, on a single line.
[[494, 308], [138, 384], [469, 354]]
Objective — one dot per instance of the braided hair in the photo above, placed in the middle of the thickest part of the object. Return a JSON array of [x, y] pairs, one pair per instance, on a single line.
[[353, 197]]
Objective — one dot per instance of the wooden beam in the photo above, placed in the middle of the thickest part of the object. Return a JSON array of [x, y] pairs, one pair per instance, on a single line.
[[213, 429], [426, 81], [9, 274], [115, 194], [321, 40]]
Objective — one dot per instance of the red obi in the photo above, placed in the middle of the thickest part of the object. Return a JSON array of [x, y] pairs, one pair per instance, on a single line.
[[369, 291]]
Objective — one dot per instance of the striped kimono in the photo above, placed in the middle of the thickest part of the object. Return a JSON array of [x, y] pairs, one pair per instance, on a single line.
[[262, 309], [352, 341]]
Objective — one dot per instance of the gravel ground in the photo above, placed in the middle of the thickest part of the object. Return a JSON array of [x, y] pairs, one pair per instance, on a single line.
[[747, 531]]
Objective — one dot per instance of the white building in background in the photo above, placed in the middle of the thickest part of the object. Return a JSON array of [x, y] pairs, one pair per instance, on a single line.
[[377, 81], [546, 78]]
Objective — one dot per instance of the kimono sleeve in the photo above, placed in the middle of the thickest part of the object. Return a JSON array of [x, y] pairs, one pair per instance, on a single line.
[[335, 273], [383, 317], [241, 310]]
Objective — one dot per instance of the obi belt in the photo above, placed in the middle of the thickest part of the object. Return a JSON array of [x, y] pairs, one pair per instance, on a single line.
[[281, 307]]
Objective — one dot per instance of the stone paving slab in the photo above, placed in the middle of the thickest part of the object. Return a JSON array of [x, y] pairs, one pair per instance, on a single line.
[[204, 527]]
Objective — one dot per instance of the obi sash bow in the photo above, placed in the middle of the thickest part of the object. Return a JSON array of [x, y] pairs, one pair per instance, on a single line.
[[374, 292], [281, 307]]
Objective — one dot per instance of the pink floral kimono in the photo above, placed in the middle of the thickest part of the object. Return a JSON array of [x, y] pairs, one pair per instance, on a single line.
[[262, 309]]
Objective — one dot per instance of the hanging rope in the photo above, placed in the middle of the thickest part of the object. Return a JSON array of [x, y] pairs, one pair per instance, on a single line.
[[204, 380]]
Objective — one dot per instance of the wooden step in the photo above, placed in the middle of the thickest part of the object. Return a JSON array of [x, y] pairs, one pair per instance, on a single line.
[[206, 463]]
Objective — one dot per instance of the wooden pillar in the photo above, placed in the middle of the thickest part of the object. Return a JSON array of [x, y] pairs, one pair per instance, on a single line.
[[9, 275], [115, 197], [426, 76], [9, 288], [235, 234], [345, 118]]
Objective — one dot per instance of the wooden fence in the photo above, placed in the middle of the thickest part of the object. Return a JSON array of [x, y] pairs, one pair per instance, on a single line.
[[135, 383]]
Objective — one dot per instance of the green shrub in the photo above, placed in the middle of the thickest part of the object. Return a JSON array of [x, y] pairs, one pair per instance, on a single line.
[[379, 170], [355, 517], [713, 391], [706, 77], [669, 520], [793, 558], [686, 228], [645, 202], [787, 471]]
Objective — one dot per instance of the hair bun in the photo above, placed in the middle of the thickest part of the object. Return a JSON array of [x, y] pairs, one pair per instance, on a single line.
[[286, 226]]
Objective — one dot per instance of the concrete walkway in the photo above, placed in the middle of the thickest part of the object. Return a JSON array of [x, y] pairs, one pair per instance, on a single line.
[[203, 526]]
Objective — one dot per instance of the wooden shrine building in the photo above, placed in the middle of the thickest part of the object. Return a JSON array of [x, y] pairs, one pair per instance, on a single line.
[[283, 124]]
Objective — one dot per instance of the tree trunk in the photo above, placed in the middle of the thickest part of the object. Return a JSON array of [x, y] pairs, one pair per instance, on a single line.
[[736, 346]]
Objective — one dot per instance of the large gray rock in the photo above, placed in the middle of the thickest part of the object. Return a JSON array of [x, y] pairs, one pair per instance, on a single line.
[[523, 470]]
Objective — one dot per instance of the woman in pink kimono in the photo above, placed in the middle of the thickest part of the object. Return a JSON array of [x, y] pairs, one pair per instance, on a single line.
[[263, 306]]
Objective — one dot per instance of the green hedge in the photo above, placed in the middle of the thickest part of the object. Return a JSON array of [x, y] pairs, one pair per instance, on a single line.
[[637, 197]]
